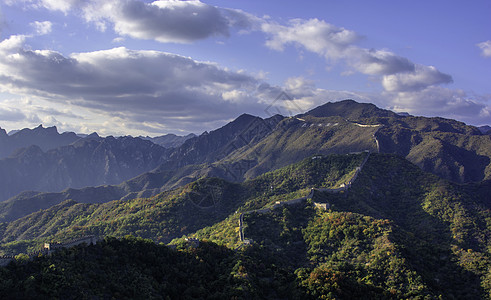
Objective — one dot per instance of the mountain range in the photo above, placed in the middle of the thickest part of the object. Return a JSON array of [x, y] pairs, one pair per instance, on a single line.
[[250, 146], [44, 160], [44, 138], [87, 162], [406, 201], [169, 140]]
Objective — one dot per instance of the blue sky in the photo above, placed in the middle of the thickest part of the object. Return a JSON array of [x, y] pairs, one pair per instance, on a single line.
[[137, 67]]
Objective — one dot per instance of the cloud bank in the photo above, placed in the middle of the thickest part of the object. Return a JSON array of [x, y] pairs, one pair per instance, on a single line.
[[137, 85]]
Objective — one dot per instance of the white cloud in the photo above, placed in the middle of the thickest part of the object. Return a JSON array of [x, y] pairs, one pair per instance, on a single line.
[[300, 95], [314, 35], [485, 48], [334, 43], [377, 62], [443, 102], [118, 40], [308, 96], [163, 20], [12, 43], [422, 77], [20, 112], [145, 89], [135, 91], [42, 28], [136, 86], [299, 87], [408, 86], [429, 100]]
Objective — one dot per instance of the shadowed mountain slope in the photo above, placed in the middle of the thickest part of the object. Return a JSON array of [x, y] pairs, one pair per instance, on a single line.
[[44, 138], [87, 162]]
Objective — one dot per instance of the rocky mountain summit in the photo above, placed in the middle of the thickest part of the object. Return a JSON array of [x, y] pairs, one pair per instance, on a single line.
[[44, 138]]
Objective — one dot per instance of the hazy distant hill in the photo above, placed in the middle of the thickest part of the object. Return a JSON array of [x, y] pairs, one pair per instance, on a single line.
[[90, 161], [169, 140], [485, 129], [44, 138]]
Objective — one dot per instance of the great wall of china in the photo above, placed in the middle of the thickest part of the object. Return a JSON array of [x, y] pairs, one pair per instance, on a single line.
[[51, 247], [278, 204]]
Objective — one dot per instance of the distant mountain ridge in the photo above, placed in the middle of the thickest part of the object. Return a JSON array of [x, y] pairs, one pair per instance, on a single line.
[[42, 159], [91, 161], [169, 140], [207, 147], [45, 138], [485, 129]]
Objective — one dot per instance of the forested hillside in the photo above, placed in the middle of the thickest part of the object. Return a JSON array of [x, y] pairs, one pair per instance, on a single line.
[[397, 232]]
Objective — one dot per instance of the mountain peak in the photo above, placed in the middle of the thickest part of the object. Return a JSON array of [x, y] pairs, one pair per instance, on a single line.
[[349, 109], [485, 129], [93, 135], [240, 123], [51, 129], [245, 117], [3, 133], [46, 138]]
